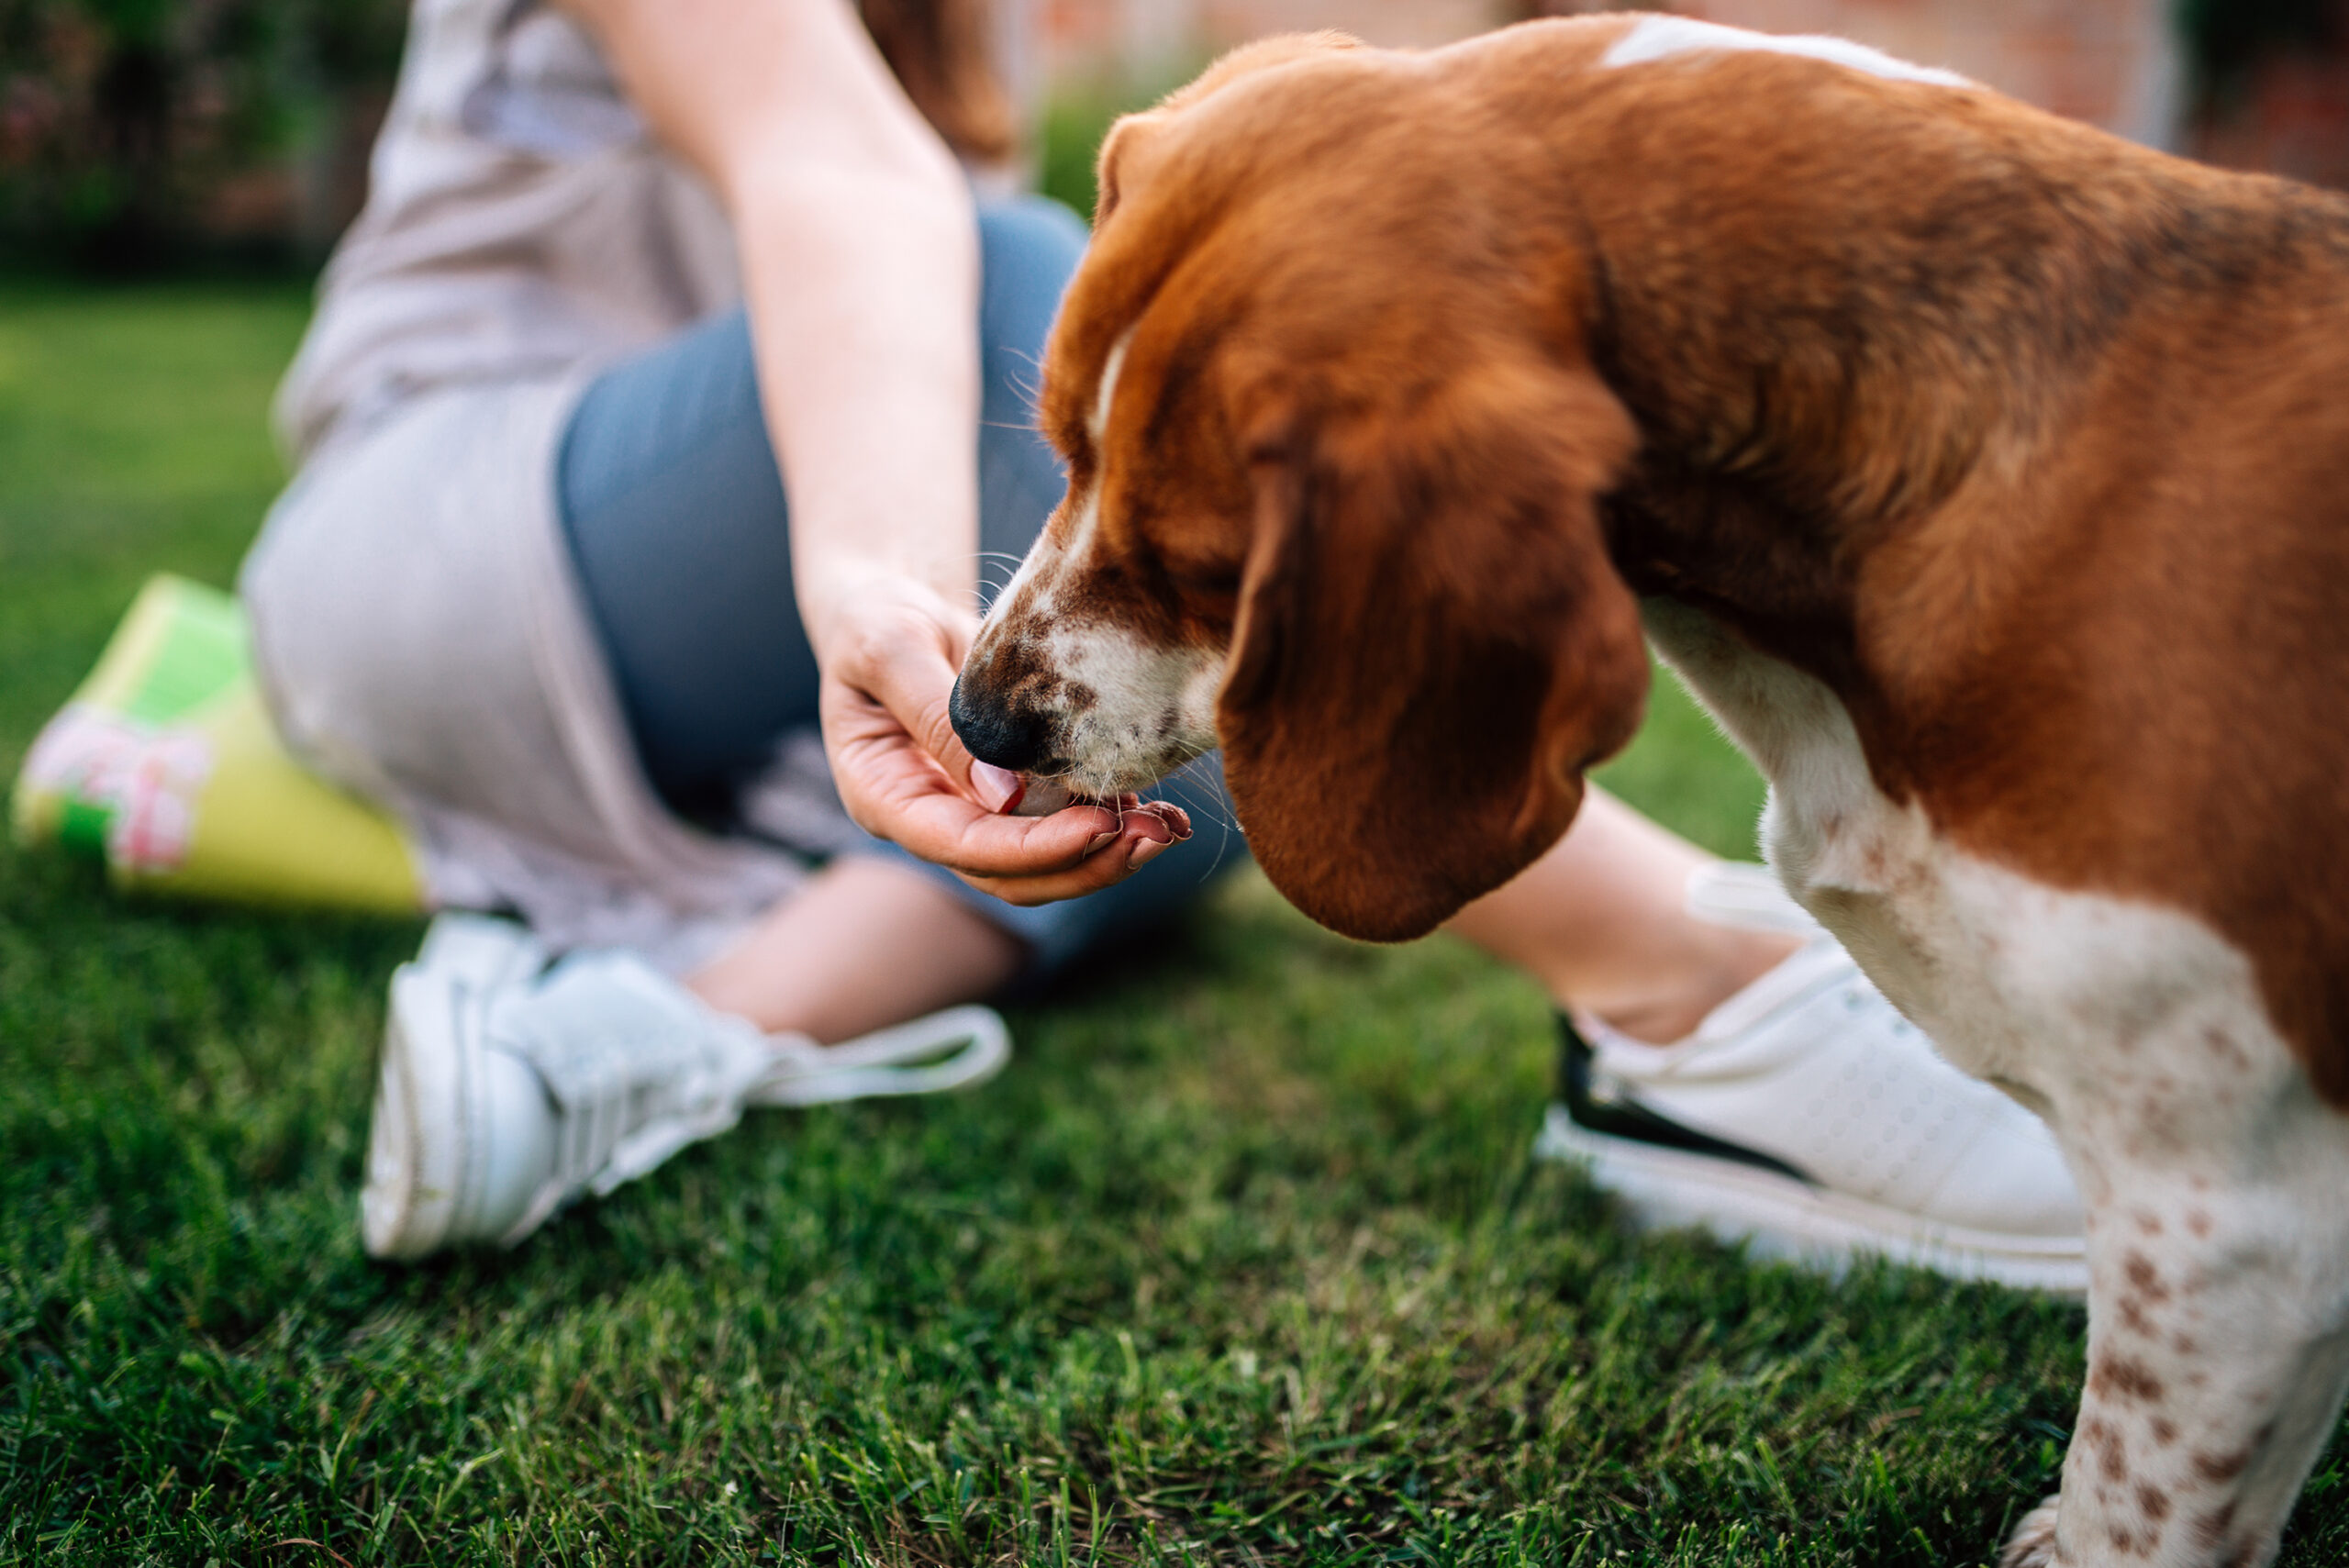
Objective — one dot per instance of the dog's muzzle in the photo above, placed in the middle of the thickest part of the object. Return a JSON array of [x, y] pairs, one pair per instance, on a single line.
[[1002, 732]]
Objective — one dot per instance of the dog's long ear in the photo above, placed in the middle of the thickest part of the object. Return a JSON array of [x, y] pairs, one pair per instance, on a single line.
[[1431, 643]]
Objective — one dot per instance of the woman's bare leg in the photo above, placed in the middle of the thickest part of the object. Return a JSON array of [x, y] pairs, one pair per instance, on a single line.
[[866, 944], [1599, 921]]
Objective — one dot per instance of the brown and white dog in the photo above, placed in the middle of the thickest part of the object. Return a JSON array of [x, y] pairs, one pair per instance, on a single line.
[[1987, 475]]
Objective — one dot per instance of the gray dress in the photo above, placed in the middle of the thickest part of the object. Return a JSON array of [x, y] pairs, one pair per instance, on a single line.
[[418, 627]]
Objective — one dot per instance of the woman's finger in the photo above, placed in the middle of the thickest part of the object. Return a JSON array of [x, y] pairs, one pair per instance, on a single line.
[[912, 678], [1027, 858], [1128, 852]]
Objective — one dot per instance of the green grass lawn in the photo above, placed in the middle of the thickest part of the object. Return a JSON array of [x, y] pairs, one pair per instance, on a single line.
[[1241, 1260]]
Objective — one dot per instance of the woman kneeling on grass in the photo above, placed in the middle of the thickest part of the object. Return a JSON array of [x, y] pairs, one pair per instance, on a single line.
[[658, 410]]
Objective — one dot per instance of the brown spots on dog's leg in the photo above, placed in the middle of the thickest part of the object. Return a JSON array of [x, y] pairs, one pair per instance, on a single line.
[[2221, 1468], [2164, 1432], [2213, 1526], [2153, 1501], [2198, 1220], [2125, 1377], [2144, 1278], [2100, 1438]]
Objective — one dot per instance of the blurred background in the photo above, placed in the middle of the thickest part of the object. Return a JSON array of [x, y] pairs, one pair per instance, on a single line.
[[150, 135], [1120, 1301]]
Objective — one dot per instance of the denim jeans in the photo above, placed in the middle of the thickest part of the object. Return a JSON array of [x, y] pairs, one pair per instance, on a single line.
[[674, 506]]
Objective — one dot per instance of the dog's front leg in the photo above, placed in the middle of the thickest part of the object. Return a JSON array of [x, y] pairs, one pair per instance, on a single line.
[[2217, 1315]]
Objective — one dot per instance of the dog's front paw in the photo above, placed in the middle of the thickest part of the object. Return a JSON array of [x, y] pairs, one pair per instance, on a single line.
[[2033, 1543]]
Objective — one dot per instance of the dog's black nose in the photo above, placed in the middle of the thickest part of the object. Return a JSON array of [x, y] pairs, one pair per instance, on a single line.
[[1000, 733]]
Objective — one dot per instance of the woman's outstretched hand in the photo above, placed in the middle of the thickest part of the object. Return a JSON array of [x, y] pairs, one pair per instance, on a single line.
[[889, 649]]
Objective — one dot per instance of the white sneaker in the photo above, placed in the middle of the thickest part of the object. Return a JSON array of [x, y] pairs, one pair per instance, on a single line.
[[508, 1088], [1808, 1117]]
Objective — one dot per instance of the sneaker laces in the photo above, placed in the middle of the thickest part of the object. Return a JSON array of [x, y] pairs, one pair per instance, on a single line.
[[638, 1068], [802, 1072]]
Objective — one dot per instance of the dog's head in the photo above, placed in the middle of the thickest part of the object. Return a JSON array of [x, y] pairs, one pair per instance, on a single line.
[[1333, 447]]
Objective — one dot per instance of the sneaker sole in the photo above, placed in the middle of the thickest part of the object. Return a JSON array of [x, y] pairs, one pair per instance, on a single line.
[[1778, 1216], [413, 1181], [420, 1144]]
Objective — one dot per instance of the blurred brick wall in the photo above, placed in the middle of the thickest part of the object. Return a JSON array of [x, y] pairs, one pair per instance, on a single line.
[[1391, 22], [2113, 62], [1149, 42]]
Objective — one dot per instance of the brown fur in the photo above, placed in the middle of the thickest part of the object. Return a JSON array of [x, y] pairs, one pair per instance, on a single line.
[[2030, 443]]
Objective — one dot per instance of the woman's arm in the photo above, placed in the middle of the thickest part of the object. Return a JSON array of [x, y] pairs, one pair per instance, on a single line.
[[861, 271], [860, 264]]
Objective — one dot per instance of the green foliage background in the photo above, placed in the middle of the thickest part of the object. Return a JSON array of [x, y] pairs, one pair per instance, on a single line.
[[120, 119]]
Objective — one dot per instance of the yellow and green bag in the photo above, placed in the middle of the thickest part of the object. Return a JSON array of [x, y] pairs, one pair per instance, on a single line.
[[165, 765]]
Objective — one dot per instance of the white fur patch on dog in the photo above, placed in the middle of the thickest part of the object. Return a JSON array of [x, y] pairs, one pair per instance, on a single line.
[[1108, 389], [1656, 37], [2210, 1171]]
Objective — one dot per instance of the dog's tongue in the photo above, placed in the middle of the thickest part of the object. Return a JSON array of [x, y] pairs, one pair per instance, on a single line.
[[1041, 797], [1016, 795], [996, 787], [999, 789]]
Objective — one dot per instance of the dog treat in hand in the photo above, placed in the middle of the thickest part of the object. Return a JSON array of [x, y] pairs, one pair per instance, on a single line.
[[1018, 794], [1039, 798]]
